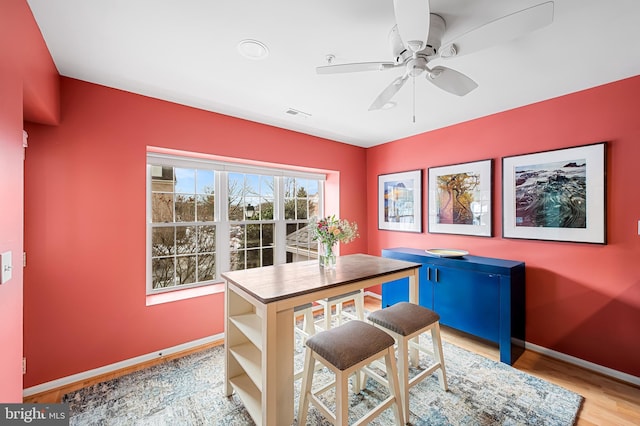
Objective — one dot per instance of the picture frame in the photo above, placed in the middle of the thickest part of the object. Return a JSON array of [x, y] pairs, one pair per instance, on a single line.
[[556, 195], [400, 201], [460, 199]]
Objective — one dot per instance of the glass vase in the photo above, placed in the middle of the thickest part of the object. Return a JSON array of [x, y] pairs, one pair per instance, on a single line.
[[327, 255]]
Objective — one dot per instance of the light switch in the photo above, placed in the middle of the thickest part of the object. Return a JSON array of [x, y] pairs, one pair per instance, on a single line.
[[6, 267]]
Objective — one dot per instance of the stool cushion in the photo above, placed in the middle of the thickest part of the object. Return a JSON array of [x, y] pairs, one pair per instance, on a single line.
[[404, 318], [340, 296], [346, 345], [302, 307]]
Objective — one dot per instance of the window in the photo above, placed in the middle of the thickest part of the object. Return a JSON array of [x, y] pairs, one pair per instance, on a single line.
[[301, 203], [183, 231], [193, 238], [251, 217]]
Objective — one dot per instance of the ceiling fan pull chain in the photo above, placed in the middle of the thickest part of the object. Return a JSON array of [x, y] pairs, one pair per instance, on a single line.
[[414, 98]]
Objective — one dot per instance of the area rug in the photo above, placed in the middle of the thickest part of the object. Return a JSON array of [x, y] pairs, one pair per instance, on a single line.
[[190, 391]]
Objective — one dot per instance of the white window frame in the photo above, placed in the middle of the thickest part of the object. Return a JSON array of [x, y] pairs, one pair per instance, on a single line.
[[221, 219]]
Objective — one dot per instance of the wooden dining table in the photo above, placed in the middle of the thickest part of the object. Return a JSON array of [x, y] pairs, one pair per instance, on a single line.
[[259, 323]]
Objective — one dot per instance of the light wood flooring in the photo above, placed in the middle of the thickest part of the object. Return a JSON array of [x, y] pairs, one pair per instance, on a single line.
[[607, 401]]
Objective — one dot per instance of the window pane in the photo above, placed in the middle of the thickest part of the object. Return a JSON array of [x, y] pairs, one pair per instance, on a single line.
[[161, 207], [185, 208], [300, 245], [267, 257], [186, 269], [206, 267], [266, 209], [204, 208], [301, 208], [252, 208], [185, 181], [162, 241], [162, 178], [204, 182], [289, 187], [267, 234], [253, 259], [237, 260], [253, 236], [236, 240], [236, 196], [163, 272], [206, 239], [266, 186], [289, 209], [185, 239]]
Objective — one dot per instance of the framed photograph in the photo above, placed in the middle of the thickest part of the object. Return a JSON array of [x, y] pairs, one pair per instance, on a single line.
[[400, 201], [556, 195], [460, 199]]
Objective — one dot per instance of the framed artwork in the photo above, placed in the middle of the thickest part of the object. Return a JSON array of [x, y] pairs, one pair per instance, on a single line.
[[460, 199], [400, 201], [556, 195]]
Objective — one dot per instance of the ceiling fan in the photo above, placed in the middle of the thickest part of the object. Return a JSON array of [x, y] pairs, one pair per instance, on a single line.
[[416, 40]]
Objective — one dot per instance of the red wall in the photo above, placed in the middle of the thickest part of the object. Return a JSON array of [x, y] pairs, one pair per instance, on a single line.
[[28, 89], [582, 300], [85, 215]]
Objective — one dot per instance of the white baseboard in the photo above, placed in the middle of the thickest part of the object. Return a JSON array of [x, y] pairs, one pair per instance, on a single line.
[[372, 294], [65, 381], [618, 375]]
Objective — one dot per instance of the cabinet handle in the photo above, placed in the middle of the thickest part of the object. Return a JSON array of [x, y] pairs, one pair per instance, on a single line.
[[437, 275], [428, 274]]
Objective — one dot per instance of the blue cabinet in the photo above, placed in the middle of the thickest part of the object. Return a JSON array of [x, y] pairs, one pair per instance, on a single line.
[[481, 296]]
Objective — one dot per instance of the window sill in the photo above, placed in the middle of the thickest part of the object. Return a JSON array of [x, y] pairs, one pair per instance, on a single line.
[[188, 293]]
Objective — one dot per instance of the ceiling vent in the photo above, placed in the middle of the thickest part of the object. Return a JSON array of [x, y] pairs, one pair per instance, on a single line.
[[298, 113]]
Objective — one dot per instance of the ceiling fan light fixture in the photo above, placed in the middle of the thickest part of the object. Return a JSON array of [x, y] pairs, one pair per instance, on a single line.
[[448, 51], [389, 105], [253, 49]]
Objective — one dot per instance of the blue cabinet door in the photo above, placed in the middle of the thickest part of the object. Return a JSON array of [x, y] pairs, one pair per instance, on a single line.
[[466, 300], [398, 291]]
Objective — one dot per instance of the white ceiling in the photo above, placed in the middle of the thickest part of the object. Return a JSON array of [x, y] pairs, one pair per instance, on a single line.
[[185, 51]]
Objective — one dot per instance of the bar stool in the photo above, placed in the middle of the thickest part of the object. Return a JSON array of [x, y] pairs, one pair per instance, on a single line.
[[405, 321], [358, 300], [308, 327], [345, 354]]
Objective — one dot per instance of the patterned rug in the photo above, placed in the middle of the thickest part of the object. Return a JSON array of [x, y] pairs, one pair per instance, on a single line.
[[190, 391]]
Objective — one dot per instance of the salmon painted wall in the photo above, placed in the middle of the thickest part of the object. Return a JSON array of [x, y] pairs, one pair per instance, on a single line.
[[25, 66], [582, 300], [85, 222]]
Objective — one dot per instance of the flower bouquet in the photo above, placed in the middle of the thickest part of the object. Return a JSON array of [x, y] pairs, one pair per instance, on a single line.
[[329, 231]]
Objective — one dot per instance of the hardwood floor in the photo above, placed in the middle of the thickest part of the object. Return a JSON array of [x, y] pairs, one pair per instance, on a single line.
[[607, 401]]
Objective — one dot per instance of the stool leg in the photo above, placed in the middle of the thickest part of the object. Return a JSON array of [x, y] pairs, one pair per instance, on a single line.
[[359, 302], [403, 373], [327, 316], [305, 387], [342, 399], [339, 312], [392, 375], [309, 326], [439, 356]]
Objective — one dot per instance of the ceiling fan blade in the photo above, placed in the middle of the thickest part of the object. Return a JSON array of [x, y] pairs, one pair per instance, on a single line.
[[413, 18], [451, 81], [355, 67], [389, 92], [500, 30]]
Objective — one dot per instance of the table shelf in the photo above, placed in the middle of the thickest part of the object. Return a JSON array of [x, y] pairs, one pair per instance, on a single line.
[[250, 395], [249, 358], [250, 325]]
